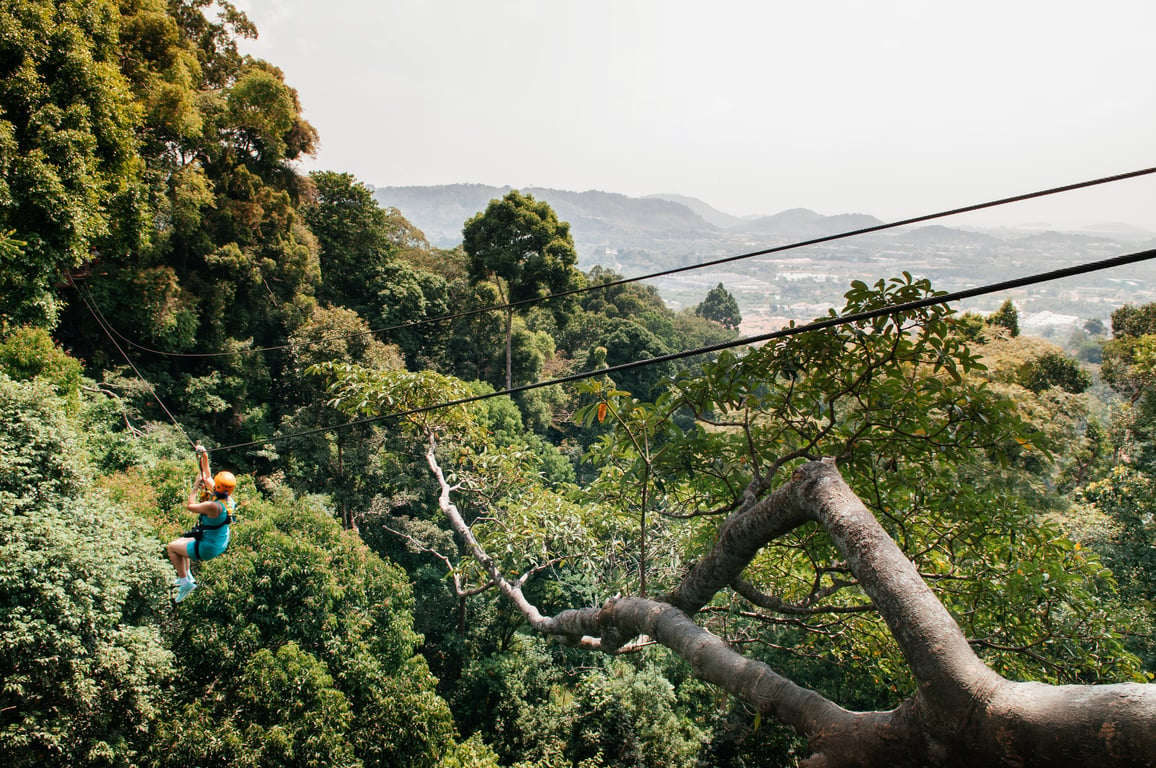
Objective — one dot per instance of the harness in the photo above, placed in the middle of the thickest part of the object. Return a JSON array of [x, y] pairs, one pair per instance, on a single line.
[[198, 530]]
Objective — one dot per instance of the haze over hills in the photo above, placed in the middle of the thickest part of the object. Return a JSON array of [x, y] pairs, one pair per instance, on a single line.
[[636, 236], [706, 211], [605, 219], [596, 218]]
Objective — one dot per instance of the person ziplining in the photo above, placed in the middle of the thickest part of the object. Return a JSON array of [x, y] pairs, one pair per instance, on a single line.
[[211, 499]]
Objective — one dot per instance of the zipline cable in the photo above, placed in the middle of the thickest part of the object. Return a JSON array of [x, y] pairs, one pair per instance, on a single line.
[[675, 270], [100, 321], [942, 298]]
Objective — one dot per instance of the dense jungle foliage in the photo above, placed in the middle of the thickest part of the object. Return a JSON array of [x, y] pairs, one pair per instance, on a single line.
[[167, 277]]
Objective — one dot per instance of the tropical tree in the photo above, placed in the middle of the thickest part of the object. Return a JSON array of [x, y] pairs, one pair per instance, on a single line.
[[624, 341], [146, 190], [720, 306], [519, 242], [615, 298], [1129, 368], [70, 177], [298, 648], [83, 663], [1094, 326], [1006, 317], [331, 456], [355, 238], [1122, 525], [28, 354], [1055, 369], [406, 300]]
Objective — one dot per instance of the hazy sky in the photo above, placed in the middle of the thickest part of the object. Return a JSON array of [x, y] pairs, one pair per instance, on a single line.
[[890, 108]]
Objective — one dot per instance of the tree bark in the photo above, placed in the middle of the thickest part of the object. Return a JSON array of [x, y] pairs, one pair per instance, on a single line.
[[963, 713], [509, 347]]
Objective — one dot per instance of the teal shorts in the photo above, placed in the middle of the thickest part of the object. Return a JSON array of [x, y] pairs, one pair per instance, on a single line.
[[206, 550]]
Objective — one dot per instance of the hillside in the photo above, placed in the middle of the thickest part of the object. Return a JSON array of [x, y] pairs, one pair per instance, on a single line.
[[635, 236], [708, 212], [598, 220], [802, 224]]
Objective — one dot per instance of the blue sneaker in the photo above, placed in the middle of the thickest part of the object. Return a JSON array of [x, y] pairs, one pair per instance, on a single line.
[[186, 590]]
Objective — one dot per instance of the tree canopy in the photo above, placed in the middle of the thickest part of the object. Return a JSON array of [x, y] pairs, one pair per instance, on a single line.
[[520, 241], [919, 539], [71, 179], [720, 306], [903, 407]]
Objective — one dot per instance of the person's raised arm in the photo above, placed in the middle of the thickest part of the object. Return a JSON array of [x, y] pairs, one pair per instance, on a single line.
[[205, 479]]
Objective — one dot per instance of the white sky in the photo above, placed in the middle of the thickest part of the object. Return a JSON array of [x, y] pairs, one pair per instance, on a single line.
[[887, 107]]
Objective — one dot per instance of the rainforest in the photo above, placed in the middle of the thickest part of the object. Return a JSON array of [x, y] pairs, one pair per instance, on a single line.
[[488, 511]]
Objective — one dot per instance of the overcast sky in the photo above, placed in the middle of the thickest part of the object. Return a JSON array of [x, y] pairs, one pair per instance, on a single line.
[[889, 108]]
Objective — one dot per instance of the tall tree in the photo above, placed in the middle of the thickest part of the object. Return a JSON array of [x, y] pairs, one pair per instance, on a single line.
[[354, 234], [520, 241], [71, 180], [1006, 317], [720, 305], [1129, 368], [200, 245], [336, 462]]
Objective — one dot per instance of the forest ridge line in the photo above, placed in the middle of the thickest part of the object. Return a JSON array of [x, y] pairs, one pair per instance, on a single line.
[[640, 236], [440, 210]]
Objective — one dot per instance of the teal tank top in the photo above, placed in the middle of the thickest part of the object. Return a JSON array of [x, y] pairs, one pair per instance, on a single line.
[[218, 537]]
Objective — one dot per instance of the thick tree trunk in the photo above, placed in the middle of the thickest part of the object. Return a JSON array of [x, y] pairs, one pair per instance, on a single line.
[[963, 714]]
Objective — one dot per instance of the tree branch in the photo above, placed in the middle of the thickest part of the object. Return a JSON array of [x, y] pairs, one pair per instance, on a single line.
[[804, 607], [459, 590], [963, 713], [513, 592], [711, 659]]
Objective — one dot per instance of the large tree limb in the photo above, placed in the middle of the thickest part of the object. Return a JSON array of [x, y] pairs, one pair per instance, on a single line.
[[963, 713]]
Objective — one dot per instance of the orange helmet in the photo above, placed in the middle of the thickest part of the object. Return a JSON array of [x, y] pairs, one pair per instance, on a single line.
[[224, 482]]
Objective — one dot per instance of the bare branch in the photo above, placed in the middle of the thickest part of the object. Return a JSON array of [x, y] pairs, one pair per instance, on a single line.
[[805, 607], [459, 591], [128, 425], [512, 591]]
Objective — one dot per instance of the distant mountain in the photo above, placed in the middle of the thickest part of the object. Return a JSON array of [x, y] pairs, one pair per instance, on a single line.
[[937, 234], [638, 236], [801, 224], [1120, 231], [609, 218], [439, 211], [598, 220], [625, 233], [709, 214], [1067, 239]]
